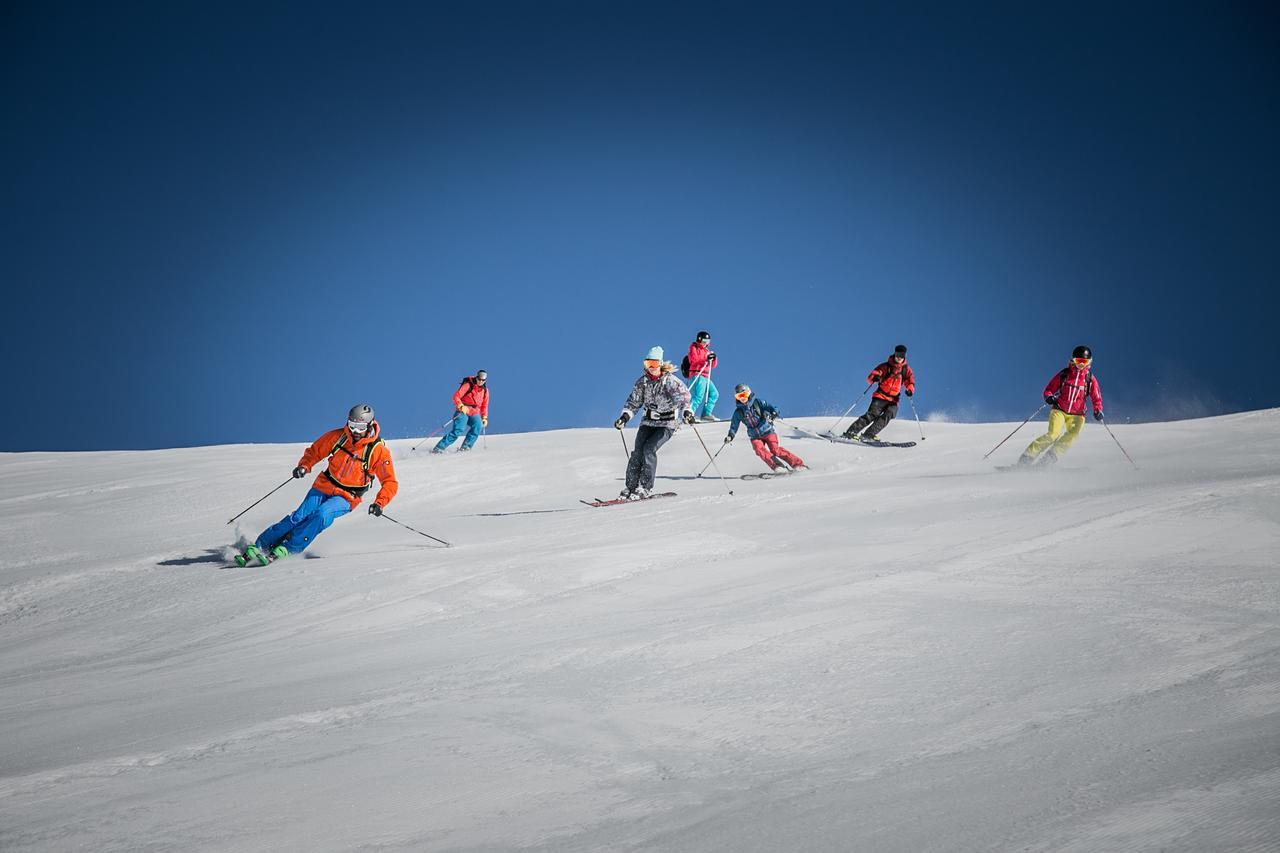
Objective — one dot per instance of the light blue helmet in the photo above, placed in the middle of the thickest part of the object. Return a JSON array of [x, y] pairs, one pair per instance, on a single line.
[[655, 354]]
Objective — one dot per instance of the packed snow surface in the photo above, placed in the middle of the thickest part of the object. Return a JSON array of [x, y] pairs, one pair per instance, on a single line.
[[899, 650]]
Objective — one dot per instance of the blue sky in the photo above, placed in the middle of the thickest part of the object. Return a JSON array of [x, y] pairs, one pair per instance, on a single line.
[[224, 224]]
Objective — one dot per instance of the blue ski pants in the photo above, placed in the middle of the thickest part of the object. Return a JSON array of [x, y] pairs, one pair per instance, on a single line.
[[470, 424], [704, 394], [299, 528]]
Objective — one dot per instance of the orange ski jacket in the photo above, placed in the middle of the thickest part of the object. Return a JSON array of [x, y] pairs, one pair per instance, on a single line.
[[353, 465]]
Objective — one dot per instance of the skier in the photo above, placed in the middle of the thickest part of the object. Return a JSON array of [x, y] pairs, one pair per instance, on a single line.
[[1066, 394], [472, 403], [699, 363], [665, 401], [356, 455], [894, 376], [758, 415]]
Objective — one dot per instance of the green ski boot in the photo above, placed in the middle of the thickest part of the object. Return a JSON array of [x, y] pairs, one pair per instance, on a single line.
[[279, 552], [253, 552]]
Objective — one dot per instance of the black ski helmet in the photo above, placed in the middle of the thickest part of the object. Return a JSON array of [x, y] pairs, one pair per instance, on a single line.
[[1082, 351], [900, 349], [704, 335]]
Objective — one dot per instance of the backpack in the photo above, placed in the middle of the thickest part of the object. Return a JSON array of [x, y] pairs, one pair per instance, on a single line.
[[364, 463], [684, 368]]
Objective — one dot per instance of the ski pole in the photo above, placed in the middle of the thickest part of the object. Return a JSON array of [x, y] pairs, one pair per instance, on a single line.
[[917, 414], [1018, 427], [484, 437], [1119, 445], [419, 532], [800, 429], [431, 434], [625, 452], [261, 499], [713, 458], [709, 456], [832, 429]]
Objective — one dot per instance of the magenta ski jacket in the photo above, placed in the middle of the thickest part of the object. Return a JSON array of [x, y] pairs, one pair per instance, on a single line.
[[1072, 386]]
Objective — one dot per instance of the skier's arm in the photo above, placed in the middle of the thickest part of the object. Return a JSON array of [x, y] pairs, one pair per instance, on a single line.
[[734, 421], [681, 394], [874, 375], [319, 449], [1051, 390], [380, 466], [909, 381], [484, 404], [1095, 394], [635, 399], [457, 398]]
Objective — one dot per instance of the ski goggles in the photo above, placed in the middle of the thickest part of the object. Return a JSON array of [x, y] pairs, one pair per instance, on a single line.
[[357, 427], [1082, 362], [742, 396], [652, 364]]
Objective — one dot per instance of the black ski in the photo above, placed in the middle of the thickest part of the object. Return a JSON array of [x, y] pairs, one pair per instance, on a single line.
[[618, 501], [839, 439]]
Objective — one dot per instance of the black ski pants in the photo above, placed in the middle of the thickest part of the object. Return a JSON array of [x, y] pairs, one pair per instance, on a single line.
[[643, 464], [879, 413]]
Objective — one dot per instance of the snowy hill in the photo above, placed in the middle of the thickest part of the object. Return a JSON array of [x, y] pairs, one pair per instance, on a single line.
[[900, 650]]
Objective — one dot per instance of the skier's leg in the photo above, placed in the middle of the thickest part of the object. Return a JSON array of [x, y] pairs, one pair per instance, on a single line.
[[274, 534], [649, 469], [1057, 423], [1074, 424], [697, 395], [305, 533], [455, 431], [637, 457], [713, 394], [762, 450], [787, 456], [473, 431], [872, 412], [887, 413]]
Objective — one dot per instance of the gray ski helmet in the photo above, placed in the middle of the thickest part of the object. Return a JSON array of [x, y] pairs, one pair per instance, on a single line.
[[361, 413], [482, 374], [740, 388], [1082, 351]]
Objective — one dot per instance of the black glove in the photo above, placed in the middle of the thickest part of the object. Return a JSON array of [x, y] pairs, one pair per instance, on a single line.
[[622, 421], [689, 418], [909, 392], [1051, 400], [375, 509], [771, 416], [728, 438], [299, 472], [711, 356], [1097, 414]]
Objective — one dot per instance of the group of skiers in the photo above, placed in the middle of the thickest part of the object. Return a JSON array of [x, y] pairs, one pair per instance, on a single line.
[[356, 454]]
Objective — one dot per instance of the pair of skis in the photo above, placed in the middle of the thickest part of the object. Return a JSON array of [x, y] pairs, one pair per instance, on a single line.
[[620, 501], [865, 442]]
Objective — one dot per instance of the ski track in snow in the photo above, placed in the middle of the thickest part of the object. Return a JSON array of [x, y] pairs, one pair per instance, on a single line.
[[898, 650]]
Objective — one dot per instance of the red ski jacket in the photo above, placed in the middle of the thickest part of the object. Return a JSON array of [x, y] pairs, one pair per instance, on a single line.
[[1071, 386], [893, 378], [474, 396], [698, 364]]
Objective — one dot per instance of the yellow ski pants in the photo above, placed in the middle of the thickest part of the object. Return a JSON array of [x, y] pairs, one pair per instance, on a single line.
[[1063, 429]]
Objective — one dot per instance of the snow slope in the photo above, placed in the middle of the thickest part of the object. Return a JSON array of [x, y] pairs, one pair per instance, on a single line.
[[900, 650]]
